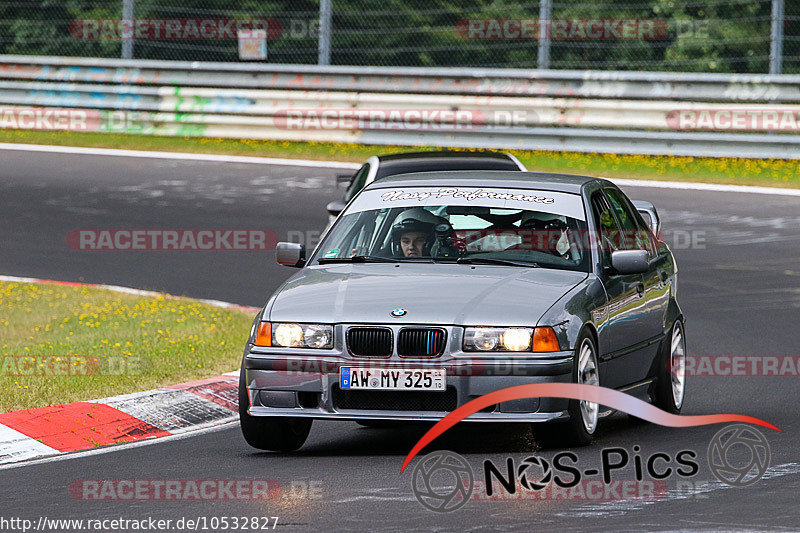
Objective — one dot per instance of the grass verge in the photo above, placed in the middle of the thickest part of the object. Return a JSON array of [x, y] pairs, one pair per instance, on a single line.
[[738, 171], [61, 344]]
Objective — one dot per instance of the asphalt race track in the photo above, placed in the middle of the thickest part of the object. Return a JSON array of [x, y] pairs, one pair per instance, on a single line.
[[739, 287]]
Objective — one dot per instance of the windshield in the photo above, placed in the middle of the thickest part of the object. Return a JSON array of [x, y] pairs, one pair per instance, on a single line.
[[512, 227]]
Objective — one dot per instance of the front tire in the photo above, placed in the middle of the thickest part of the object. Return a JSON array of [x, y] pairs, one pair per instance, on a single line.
[[284, 434], [670, 386], [583, 416]]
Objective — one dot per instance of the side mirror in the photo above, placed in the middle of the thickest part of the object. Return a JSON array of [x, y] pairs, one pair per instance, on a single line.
[[630, 261], [649, 214], [290, 254], [334, 208]]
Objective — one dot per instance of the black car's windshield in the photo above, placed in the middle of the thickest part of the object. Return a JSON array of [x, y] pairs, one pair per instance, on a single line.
[[465, 225]]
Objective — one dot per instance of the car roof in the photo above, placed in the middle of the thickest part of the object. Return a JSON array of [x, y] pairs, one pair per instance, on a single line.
[[489, 178], [445, 154], [444, 160]]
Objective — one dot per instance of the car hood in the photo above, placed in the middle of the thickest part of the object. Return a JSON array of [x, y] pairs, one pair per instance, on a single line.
[[431, 293]]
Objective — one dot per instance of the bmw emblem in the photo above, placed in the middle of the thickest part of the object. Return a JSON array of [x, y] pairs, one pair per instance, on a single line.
[[397, 313]]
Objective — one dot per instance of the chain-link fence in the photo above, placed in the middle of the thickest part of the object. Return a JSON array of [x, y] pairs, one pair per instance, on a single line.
[[653, 35]]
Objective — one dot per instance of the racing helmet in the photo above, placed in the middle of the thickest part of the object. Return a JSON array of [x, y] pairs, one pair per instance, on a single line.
[[415, 220], [542, 221], [550, 231]]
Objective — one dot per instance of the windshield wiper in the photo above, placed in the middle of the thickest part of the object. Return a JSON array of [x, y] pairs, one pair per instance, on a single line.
[[495, 261], [357, 259], [375, 259]]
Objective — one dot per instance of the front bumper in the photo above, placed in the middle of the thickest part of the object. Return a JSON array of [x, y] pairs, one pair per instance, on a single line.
[[287, 384]]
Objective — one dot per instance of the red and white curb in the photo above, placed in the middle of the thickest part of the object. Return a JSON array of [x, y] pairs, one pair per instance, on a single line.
[[52, 430], [45, 431]]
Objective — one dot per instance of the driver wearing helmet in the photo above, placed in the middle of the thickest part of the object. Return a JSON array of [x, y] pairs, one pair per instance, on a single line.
[[413, 232], [549, 233]]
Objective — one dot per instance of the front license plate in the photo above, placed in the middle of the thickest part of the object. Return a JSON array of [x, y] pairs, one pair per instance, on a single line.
[[432, 379]]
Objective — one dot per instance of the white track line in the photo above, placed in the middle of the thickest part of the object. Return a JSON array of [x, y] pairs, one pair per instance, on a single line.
[[352, 166], [137, 292], [178, 155], [684, 185]]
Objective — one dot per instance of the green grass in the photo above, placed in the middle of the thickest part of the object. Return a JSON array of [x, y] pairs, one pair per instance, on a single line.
[[762, 172], [92, 343]]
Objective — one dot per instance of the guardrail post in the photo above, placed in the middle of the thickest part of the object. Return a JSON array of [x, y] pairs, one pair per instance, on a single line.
[[545, 13], [325, 14], [127, 36], [776, 38]]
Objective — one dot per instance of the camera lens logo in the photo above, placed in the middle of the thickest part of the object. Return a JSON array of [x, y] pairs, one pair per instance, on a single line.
[[442, 481], [739, 455], [523, 470]]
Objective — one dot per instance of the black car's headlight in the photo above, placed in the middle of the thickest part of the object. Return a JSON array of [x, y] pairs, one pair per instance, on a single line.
[[292, 335], [512, 339]]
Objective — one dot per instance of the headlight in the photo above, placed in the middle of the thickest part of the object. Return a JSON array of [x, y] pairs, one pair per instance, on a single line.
[[516, 339], [318, 336], [510, 340], [302, 336], [497, 339]]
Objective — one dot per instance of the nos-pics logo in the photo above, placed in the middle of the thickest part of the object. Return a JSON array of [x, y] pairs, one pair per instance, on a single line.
[[443, 481]]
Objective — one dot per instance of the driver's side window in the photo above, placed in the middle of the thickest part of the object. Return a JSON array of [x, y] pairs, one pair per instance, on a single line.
[[609, 234], [636, 235]]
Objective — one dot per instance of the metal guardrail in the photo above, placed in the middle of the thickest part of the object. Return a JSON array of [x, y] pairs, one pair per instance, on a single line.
[[619, 112], [577, 83]]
